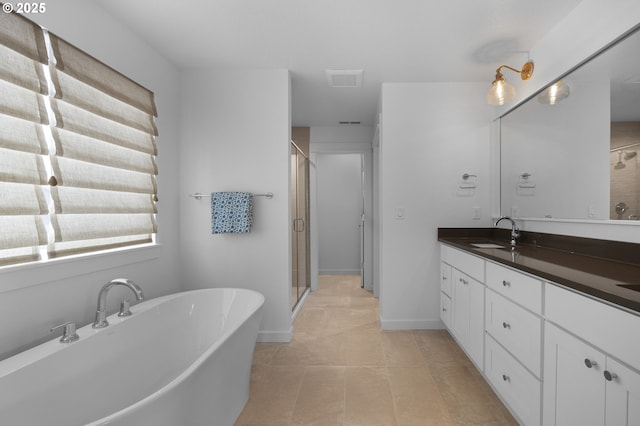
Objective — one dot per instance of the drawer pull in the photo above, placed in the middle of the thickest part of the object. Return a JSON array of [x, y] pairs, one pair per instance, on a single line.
[[506, 325], [610, 376], [506, 378], [589, 363], [463, 281], [506, 283]]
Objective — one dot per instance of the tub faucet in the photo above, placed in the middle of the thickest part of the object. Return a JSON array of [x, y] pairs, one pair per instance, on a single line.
[[101, 313], [515, 234]]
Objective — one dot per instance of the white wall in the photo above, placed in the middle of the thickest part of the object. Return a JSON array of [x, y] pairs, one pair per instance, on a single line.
[[339, 186], [235, 137], [431, 134], [592, 25], [35, 297]]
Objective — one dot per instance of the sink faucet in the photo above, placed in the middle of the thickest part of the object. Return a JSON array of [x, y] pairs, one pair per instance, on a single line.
[[101, 313], [514, 231]]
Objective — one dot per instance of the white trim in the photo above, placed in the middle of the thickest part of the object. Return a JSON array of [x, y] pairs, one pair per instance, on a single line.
[[339, 271], [14, 277], [275, 336], [410, 324]]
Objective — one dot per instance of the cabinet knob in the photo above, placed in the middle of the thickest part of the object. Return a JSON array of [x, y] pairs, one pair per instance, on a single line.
[[506, 283], [506, 325], [506, 378], [463, 281], [589, 363], [444, 309], [610, 376]]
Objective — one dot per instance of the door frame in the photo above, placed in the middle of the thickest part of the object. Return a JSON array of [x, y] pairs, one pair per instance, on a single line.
[[366, 152]]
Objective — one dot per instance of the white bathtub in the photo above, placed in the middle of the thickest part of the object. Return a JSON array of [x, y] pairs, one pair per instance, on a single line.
[[180, 360]]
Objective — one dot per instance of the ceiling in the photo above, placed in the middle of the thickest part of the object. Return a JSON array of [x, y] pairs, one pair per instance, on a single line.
[[391, 40]]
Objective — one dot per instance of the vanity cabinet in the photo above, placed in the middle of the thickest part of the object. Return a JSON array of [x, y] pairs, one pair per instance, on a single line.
[[585, 381], [462, 300]]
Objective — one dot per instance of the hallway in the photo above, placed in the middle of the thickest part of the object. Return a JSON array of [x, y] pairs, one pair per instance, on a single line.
[[341, 369]]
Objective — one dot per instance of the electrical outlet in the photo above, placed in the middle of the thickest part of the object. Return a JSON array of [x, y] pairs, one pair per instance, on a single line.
[[477, 213]]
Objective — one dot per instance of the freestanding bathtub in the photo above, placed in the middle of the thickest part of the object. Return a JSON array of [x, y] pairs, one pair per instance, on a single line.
[[180, 360]]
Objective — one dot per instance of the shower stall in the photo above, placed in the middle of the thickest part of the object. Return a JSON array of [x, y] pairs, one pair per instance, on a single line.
[[300, 235], [625, 172]]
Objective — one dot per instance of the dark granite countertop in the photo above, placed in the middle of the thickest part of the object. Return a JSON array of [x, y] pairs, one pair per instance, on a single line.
[[599, 268]]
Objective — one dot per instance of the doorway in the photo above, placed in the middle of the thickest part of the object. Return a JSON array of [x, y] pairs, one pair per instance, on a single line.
[[340, 189]]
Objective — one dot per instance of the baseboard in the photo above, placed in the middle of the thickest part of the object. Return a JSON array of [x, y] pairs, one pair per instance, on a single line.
[[424, 324], [275, 336], [339, 272]]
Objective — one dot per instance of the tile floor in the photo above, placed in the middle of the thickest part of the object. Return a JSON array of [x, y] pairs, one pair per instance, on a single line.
[[341, 369]]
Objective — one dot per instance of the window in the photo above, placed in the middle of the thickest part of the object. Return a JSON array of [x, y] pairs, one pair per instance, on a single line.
[[77, 150]]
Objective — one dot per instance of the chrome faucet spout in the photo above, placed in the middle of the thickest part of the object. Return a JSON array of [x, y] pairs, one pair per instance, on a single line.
[[515, 233], [101, 312]]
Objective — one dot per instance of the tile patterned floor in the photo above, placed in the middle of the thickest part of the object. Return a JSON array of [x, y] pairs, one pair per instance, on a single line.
[[340, 369]]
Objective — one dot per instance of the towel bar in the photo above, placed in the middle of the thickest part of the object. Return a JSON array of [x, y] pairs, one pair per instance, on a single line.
[[199, 196]]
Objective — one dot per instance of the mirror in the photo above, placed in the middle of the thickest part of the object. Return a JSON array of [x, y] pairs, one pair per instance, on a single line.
[[577, 157]]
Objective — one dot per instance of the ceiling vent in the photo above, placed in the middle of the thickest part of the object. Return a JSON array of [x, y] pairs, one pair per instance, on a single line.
[[344, 78]]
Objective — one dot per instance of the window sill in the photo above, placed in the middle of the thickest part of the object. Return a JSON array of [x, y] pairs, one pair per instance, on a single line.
[[30, 274]]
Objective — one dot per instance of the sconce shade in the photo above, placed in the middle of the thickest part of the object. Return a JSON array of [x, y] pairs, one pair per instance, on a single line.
[[502, 92], [554, 93]]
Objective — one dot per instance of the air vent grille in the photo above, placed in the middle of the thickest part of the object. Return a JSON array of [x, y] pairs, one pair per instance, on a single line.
[[345, 78]]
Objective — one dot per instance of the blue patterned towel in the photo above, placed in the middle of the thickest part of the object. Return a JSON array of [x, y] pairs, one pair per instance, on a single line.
[[231, 212]]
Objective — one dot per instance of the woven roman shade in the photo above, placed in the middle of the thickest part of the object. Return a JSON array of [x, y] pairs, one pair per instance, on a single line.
[[77, 149], [105, 150], [23, 176]]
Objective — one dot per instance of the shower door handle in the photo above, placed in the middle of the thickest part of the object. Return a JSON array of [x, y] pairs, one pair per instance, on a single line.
[[298, 225]]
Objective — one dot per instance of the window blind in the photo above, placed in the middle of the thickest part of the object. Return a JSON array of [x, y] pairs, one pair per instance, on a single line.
[[22, 142], [77, 149]]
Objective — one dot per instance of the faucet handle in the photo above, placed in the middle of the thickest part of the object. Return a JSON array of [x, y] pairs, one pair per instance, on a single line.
[[69, 334]]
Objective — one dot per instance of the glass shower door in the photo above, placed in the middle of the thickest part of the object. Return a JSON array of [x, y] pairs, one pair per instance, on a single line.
[[301, 276]]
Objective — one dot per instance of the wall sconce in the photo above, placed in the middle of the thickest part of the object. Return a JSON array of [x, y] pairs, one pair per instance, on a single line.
[[502, 92], [554, 93]]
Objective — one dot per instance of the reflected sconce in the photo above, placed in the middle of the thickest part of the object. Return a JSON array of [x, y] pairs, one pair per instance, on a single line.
[[554, 93], [502, 92]]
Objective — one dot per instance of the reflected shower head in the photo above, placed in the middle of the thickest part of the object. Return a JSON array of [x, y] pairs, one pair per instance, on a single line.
[[629, 155]]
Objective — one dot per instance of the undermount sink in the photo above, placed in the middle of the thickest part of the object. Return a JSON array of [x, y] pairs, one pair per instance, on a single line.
[[487, 245], [634, 287]]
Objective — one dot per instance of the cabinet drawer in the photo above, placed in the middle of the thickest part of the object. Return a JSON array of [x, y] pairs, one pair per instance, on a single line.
[[445, 309], [519, 388], [517, 329], [471, 265], [602, 325], [522, 289], [445, 278]]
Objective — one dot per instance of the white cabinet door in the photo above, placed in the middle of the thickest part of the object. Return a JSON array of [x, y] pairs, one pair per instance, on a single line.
[[445, 309], [623, 395], [460, 300], [445, 278], [573, 390], [476, 323], [467, 316]]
